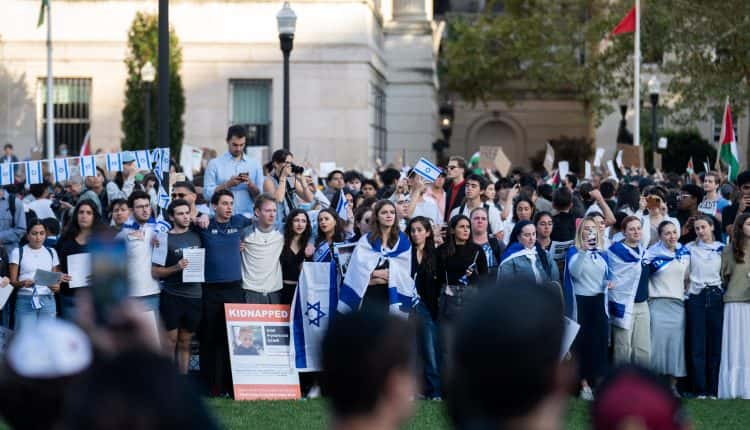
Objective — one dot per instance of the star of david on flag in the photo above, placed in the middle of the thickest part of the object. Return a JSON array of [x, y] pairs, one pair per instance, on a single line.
[[314, 313], [34, 172], [60, 169], [114, 162], [6, 174], [143, 159], [88, 166]]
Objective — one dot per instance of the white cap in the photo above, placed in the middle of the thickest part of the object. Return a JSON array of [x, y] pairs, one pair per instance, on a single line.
[[50, 348]]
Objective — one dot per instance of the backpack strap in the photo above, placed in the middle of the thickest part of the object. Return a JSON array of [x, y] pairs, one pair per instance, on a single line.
[[12, 209]]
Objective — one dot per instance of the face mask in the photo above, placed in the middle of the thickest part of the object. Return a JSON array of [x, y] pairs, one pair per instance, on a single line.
[[63, 152]]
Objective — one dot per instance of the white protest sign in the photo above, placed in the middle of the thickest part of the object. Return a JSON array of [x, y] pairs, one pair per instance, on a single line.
[[611, 168], [598, 157], [587, 167], [618, 160], [549, 158], [662, 143], [563, 168]]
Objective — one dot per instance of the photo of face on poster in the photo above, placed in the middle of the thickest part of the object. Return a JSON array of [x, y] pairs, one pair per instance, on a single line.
[[248, 340]]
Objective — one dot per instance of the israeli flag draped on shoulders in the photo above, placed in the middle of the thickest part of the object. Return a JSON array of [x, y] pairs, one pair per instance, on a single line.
[[659, 256], [569, 296], [313, 307], [402, 293], [515, 250], [625, 264]]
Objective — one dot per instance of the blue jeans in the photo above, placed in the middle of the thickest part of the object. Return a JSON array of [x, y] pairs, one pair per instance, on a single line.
[[26, 314], [705, 316], [151, 303], [67, 307], [429, 351]]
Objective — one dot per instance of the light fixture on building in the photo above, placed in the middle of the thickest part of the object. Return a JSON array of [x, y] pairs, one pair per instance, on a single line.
[[287, 23]]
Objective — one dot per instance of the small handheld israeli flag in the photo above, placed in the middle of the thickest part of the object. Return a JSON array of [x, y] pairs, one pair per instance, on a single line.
[[6, 174], [163, 198], [34, 172], [114, 162], [427, 170], [165, 159], [143, 159], [341, 206], [60, 169]]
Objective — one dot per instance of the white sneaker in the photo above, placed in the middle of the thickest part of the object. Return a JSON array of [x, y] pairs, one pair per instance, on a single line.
[[314, 392], [587, 394], [676, 393]]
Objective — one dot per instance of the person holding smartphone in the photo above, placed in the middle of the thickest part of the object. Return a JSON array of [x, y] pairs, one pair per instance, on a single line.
[[656, 206], [236, 172], [587, 277]]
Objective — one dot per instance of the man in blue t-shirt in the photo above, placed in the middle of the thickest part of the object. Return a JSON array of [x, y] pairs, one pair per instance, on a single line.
[[223, 274]]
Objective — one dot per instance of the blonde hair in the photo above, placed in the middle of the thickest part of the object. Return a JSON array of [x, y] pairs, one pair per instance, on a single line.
[[580, 241]]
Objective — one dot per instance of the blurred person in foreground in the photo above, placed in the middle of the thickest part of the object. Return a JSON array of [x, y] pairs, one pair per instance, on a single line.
[[369, 376], [632, 398], [510, 338]]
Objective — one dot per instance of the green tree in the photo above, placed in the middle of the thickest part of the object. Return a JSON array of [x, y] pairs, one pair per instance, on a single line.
[[709, 57], [143, 41], [545, 49]]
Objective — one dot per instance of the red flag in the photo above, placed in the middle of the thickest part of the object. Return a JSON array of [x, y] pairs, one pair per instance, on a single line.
[[86, 145], [626, 25]]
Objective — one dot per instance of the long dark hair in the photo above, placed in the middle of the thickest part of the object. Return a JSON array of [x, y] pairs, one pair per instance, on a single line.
[[540, 252], [72, 228], [738, 238], [449, 249], [375, 224], [429, 242], [289, 228], [519, 200], [278, 156], [338, 230]]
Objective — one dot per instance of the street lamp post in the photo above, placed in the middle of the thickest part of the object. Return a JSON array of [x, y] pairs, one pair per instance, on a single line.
[[287, 21], [148, 74], [446, 127], [654, 88]]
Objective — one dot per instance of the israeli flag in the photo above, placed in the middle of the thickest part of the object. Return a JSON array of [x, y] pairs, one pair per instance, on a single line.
[[427, 170], [164, 162], [34, 172], [88, 166], [341, 206], [143, 159], [61, 170], [312, 312], [114, 162], [6, 174], [163, 201]]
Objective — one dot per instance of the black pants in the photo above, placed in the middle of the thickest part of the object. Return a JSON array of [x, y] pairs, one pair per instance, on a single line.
[[590, 346], [216, 373], [705, 316]]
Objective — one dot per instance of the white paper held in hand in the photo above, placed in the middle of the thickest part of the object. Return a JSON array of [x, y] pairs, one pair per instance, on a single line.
[[79, 269], [196, 258]]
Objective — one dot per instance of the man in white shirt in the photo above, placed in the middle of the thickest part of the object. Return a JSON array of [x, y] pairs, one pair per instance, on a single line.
[[41, 205], [138, 234], [474, 188], [261, 249]]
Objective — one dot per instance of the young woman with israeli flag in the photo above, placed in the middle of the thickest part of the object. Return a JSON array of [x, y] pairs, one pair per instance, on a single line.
[[587, 279], [330, 231], [628, 298], [524, 257], [704, 308], [379, 271], [668, 262]]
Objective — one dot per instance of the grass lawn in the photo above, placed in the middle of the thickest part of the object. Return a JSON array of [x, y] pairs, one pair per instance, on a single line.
[[311, 414]]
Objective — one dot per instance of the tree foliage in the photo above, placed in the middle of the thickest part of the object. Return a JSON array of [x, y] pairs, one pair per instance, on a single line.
[[143, 43]]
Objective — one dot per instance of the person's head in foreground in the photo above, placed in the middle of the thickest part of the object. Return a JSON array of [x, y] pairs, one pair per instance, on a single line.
[[632, 398], [510, 338], [369, 376]]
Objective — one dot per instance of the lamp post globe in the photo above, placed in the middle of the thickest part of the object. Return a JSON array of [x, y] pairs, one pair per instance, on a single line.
[[287, 22]]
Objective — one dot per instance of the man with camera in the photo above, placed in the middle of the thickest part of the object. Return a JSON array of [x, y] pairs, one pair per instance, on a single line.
[[235, 172]]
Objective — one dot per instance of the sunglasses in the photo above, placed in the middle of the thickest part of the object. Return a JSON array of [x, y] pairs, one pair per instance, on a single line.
[[178, 195]]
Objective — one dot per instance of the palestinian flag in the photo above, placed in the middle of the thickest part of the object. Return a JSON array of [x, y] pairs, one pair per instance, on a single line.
[[690, 169], [728, 141], [554, 180]]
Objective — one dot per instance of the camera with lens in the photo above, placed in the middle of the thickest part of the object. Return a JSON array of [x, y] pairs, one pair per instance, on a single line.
[[297, 170]]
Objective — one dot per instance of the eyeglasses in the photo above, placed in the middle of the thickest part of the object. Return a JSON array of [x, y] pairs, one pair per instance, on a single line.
[[142, 207], [179, 195]]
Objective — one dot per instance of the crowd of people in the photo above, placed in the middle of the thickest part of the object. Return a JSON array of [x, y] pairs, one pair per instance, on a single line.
[[652, 267]]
